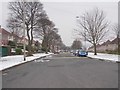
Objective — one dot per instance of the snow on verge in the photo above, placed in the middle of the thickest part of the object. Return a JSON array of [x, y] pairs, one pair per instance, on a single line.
[[109, 57], [10, 61]]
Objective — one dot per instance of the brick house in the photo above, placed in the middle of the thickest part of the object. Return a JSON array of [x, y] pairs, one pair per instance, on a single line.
[[4, 37], [21, 40]]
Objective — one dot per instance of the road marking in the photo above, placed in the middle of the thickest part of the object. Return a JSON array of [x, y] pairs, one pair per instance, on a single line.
[[41, 60]]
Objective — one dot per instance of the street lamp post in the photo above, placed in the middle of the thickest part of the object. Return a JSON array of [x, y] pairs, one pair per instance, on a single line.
[[84, 30], [85, 33], [24, 29]]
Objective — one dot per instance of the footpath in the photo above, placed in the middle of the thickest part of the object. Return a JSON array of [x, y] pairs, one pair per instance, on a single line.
[[10, 61]]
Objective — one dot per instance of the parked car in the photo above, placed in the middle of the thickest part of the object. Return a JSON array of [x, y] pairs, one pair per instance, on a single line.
[[71, 51], [82, 53], [75, 52], [56, 52]]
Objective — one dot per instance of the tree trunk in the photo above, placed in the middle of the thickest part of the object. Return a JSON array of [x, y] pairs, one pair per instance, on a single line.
[[44, 44], [95, 51], [31, 33], [29, 50], [118, 45], [29, 44]]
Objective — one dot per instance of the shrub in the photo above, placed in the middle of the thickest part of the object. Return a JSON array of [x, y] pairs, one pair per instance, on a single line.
[[34, 49], [20, 45], [18, 51], [11, 43], [43, 49], [112, 52]]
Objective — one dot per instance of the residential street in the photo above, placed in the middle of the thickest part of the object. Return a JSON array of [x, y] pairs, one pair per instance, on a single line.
[[63, 71]]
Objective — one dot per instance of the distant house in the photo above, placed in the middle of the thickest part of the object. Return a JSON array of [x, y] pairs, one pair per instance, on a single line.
[[108, 45], [113, 45], [14, 37], [91, 49], [104, 46], [6, 36], [21, 40]]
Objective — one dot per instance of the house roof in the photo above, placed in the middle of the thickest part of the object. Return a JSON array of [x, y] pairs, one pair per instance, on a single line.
[[98, 45], [16, 36], [22, 38], [103, 44], [115, 41], [3, 31], [90, 47], [106, 43]]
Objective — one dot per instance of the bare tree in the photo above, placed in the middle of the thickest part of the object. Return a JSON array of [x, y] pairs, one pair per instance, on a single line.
[[48, 33], [46, 28], [54, 40], [93, 26], [33, 13], [116, 30], [14, 26], [76, 44]]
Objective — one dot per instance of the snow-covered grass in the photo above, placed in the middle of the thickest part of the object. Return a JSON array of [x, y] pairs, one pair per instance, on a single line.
[[10, 61], [109, 57]]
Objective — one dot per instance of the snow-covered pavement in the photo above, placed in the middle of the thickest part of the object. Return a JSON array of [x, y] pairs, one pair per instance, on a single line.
[[10, 61], [108, 57]]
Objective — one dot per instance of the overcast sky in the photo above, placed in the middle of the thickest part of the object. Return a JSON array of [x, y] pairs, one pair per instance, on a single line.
[[63, 14]]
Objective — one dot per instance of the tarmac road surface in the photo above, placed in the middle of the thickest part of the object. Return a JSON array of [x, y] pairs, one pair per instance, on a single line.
[[62, 71]]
